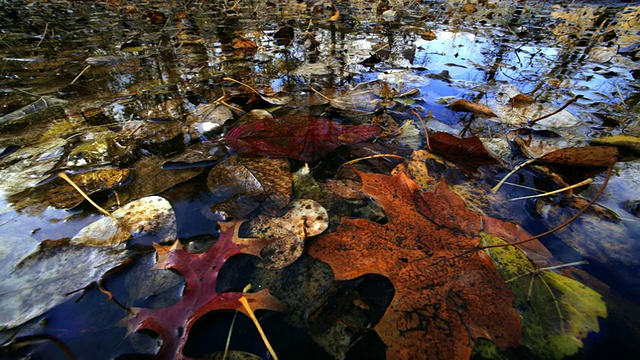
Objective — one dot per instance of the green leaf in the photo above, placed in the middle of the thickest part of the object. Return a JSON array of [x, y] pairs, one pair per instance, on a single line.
[[557, 312]]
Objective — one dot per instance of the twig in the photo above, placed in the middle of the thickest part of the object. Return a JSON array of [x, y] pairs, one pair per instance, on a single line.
[[566, 223], [620, 94], [585, 182], [424, 126], [572, 100], [372, 157], [495, 188], [319, 93], [81, 72], [243, 84]]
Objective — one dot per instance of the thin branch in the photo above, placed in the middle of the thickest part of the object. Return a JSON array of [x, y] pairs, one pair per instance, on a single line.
[[495, 188], [81, 72], [571, 101], [424, 126], [350, 162], [566, 223]]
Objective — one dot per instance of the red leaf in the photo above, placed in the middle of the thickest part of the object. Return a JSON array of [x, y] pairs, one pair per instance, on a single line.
[[301, 138], [468, 152], [200, 271]]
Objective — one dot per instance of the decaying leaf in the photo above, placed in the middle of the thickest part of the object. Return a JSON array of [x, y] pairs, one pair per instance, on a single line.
[[305, 218], [557, 312], [575, 164], [468, 106], [173, 324], [521, 100], [241, 43], [150, 216], [447, 293], [256, 178], [303, 138], [598, 156], [206, 119], [24, 168], [149, 178], [36, 277]]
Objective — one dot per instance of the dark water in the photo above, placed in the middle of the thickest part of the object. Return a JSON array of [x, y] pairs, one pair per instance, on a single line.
[[107, 64]]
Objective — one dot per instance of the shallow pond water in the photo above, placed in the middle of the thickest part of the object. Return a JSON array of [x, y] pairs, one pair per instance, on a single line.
[[143, 96]]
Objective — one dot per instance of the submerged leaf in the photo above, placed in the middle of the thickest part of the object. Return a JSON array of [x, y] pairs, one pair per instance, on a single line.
[[557, 312], [468, 106], [305, 218], [63, 195], [447, 293], [26, 167], [35, 278], [301, 138], [256, 178]]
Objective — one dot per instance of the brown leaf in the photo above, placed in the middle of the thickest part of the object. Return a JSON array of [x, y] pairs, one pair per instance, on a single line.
[[63, 195], [579, 163], [241, 43], [600, 156], [258, 178], [467, 152], [521, 100], [468, 106], [447, 293]]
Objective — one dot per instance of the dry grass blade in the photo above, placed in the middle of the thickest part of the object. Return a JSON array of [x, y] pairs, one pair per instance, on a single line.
[[574, 217], [84, 195], [585, 182], [81, 72], [350, 162], [245, 303], [495, 188]]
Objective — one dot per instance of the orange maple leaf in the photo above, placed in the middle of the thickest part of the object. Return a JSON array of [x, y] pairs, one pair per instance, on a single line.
[[448, 293]]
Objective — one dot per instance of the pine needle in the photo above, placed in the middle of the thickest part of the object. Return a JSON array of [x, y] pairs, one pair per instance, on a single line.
[[81, 72], [243, 84], [495, 188], [350, 162], [585, 182]]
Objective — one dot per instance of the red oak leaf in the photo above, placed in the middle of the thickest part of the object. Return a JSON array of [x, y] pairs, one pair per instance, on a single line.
[[200, 271], [447, 292], [301, 138]]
